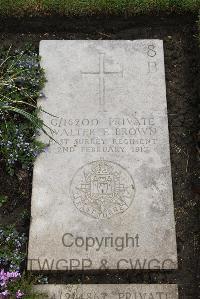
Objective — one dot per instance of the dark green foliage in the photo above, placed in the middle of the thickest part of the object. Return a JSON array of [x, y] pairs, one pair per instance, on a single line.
[[78, 7], [21, 81], [3, 200], [18, 144], [11, 248]]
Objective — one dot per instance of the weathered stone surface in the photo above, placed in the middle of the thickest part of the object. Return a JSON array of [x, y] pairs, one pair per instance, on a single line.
[[102, 196], [110, 291]]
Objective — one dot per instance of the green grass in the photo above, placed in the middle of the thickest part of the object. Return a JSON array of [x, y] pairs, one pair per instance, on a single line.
[[89, 7]]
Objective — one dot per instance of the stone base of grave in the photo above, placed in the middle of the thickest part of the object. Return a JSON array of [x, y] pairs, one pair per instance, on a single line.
[[110, 291]]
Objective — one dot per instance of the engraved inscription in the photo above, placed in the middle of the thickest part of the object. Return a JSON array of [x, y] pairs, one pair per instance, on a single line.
[[102, 189], [134, 133], [102, 73], [152, 66], [151, 51]]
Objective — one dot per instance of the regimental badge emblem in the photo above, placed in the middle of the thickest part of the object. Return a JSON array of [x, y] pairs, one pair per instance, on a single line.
[[102, 189]]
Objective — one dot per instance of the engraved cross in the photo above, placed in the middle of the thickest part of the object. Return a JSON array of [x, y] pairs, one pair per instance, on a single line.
[[102, 73]]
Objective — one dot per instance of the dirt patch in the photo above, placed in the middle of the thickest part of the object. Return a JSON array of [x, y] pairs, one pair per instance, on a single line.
[[181, 62]]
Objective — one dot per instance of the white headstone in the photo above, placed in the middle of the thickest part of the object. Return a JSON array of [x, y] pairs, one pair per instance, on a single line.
[[102, 193], [110, 291]]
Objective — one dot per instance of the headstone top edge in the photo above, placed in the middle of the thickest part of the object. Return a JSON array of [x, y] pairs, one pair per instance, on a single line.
[[98, 41], [115, 284]]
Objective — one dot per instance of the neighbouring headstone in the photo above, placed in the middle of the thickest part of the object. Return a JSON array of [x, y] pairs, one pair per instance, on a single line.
[[102, 192], [110, 291]]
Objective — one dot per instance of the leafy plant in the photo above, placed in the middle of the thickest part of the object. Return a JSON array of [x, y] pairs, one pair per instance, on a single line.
[[11, 245], [15, 285], [12, 283], [3, 200], [18, 144], [21, 80]]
